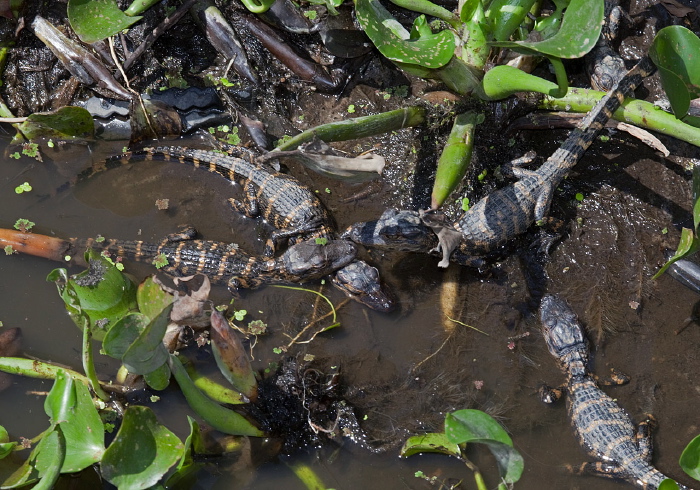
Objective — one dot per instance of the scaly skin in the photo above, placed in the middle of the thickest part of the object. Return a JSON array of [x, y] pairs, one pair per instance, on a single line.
[[507, 212], [290, 207], [603, 428], [221, 262]]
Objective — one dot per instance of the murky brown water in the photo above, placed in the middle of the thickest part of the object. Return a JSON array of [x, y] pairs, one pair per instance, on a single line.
[[602, 265]]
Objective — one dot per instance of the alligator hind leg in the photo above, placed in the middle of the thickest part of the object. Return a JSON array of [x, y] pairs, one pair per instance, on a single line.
[[643, 436], [606, 470], [186, 232], [513, 168], [249, 206]]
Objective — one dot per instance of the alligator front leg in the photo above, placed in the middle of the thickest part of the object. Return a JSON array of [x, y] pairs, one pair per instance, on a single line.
[[643, 437], [186, 232], [249, 206], [606, 470]]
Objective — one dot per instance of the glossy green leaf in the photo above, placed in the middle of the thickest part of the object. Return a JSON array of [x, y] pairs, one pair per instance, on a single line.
[[394, 42], [212, 389], [577, 35], [5, 445], [151, 298], [503, 81], [60, 401], [139, 6], [220, 418], [187, 465], [475, 426], [668, 484], [94, 20], [477, 32], [50, 453], [690, 458], [148, 353], [159, 379], [101, 293], [674, 52], [436, 442], [124, 333], [688, 245], [231, 357], [142, 452], [505, 16], [66, 123], [429, 8]]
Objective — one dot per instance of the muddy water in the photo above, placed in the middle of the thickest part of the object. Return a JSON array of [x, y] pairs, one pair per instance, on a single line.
[[403, 371]]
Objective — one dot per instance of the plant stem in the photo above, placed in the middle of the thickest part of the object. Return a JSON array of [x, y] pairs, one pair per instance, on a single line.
[[429, 8], [359, 127], [638, 112], [89, 366]]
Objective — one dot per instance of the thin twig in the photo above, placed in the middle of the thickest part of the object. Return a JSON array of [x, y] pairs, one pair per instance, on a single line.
[[464, 324], [312, 323]]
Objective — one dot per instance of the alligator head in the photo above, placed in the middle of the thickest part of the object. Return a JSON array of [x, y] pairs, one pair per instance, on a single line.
[[562, 331], [360, 281], [311, 260], [394, 230]]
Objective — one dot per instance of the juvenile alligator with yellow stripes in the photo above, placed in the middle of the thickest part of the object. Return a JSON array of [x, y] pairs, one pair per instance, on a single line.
[[290, 207], [505, 213], [603, 428], [223, 263]]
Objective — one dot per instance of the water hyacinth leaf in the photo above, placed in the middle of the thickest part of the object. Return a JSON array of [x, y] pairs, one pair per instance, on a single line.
[[475, 426], [148, 353], [187, 466], [66, 123], [50, 453], [123, 334], [231, 357], [505, 16], [142, 452], [159, 379], [429, 8], [139, 6], [668, 484], [687, 245], [394, 42], [503, 81], [218, 417], [83, 431], [577, 35], [673, 52], [94, 20], [151, 298], [5, 445], [60, 401], [436, 442], [690, 458], [102, 293]]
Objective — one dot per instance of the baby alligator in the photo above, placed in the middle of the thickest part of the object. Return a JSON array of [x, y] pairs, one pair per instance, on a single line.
[[222, 262], [290, 207], [507, 212], [603, 428]]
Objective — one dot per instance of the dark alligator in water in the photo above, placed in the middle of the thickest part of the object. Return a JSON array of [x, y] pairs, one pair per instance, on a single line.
[[602, 426], [290, 207], [505, 213], [222, 262]]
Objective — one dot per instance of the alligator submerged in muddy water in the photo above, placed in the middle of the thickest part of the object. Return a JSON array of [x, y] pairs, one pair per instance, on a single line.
[[602, 426]]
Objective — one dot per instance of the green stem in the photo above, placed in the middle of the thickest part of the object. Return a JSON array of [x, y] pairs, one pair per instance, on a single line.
[[429, 8], [455, 158], [637, 112], [89, 366], [560, 74], [359, 127]]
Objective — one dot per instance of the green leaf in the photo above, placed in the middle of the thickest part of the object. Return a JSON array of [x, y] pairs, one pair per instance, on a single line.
[[159, 379], [674, 52], [394, 42], [151, 298], [148, 353], [6, 446], [212, 389], [187, 465], [49, 456], [668, 484], [60, 401], [123, 334], [577, 35], [66, 123], [220, 418], [503, 81], [436, 442], [36, 369], [142, 451], [688, 245], [94, 20], [505, 16], [690, 458], [99, 296], [469, 426]]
